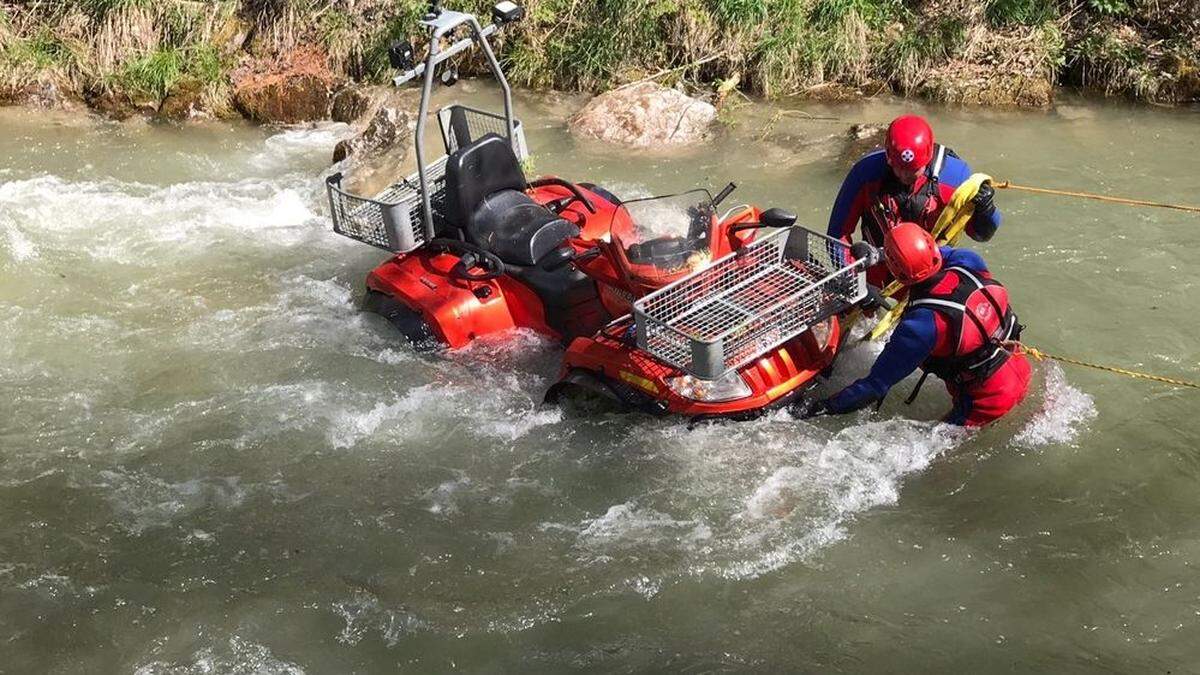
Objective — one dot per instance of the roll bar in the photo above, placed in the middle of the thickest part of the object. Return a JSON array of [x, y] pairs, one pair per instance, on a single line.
[[443, 22]]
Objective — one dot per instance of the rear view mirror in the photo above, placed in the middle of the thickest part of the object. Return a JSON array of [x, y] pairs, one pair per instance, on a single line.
[[777, 218]]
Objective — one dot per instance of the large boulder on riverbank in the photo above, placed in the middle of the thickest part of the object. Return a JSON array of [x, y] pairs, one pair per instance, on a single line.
[[296, 88], [645, 115]]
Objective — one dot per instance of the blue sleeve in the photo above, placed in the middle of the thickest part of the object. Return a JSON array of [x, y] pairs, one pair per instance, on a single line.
[[844, 217], [955, 172], [911, 343], [963, 257]]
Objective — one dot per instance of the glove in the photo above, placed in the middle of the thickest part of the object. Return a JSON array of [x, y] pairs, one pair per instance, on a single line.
[[805, 407], [983, 199]]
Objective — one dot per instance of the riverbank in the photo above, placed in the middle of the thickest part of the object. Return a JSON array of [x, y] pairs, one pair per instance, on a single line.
[[286, 60]]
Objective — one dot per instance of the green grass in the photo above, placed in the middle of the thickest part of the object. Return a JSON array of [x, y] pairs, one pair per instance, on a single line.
[[1023, 12], [774, 47]]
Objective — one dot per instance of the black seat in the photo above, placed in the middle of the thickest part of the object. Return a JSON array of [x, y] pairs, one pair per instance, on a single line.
[[485, 197]]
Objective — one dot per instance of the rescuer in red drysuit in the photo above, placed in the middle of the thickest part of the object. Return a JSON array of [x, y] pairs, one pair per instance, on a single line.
[[910, 180], [954, 326]]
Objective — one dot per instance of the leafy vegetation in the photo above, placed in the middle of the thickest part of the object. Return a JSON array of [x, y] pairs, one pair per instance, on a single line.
[[145, 48]]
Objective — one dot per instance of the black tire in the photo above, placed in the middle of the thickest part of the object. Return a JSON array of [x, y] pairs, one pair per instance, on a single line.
[[591, 393], [408, 321]]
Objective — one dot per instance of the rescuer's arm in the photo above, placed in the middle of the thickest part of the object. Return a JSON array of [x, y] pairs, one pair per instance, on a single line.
[[910, 344], [986, 219]]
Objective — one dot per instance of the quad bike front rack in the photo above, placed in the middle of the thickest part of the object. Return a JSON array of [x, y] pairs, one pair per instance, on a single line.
[[410, 212], [749, 302]]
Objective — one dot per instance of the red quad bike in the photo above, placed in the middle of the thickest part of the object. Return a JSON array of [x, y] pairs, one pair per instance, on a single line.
[[711, 320]]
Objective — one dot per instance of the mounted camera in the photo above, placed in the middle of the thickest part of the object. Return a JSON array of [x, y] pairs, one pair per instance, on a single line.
[[507, 12], [402, 55]]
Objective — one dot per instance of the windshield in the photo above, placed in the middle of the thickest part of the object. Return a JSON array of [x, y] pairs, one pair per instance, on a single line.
[[663, 237]]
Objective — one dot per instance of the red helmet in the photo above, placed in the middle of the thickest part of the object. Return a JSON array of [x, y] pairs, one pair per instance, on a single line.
[[911, 253], [909, 143]]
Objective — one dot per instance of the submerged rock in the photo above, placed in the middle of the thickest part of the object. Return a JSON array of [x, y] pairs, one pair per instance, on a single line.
[[862, 138], [645, 115], [296, 89]]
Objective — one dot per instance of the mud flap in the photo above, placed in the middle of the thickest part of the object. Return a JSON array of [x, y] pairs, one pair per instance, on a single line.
[[408, 321]]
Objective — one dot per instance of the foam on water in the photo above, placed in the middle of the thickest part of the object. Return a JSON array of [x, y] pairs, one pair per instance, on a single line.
[[235, 656], [140, 224], [1062, 415], [143, 502], [364, 615]]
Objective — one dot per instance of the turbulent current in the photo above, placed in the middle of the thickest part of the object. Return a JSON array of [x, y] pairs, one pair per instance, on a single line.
[[212, 462]]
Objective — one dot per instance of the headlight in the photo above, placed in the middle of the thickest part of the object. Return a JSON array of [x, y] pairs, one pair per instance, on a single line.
[[728, 387], [822, 331]]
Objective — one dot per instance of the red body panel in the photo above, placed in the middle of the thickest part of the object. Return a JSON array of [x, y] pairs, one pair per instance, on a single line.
[[772, 377], [460, 311]]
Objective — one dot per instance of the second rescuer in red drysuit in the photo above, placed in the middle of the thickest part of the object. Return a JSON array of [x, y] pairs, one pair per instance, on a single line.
[[954, 326], [910, 180]]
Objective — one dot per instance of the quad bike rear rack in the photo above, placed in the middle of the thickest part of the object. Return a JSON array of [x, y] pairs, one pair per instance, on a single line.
[[392, 219], [410, 212], [749, 302]]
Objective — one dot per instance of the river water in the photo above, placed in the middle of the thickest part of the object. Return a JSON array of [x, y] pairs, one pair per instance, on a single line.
[[211, 462]]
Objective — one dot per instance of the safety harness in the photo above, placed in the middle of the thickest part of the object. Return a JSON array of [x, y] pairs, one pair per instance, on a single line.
[[983, 361]]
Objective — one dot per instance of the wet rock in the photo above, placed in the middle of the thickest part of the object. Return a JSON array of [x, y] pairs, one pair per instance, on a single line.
[[863, 138], [111, 104], [645, 115], [184, 102], [294, 89], [351, 104], [388, 127], [46, 94], [378, 155]]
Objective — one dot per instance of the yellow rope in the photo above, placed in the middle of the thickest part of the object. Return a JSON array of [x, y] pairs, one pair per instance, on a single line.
[[1008, 185], [1041, 355]]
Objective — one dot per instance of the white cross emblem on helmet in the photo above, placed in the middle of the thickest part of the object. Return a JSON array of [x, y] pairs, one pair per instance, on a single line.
[[908, 155]]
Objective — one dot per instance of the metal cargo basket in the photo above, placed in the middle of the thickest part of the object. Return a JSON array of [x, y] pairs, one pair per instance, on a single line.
[[749, 302], [392, 219]]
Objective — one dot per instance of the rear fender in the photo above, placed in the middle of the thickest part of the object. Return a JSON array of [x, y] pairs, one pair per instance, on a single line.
[[457, 311]]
